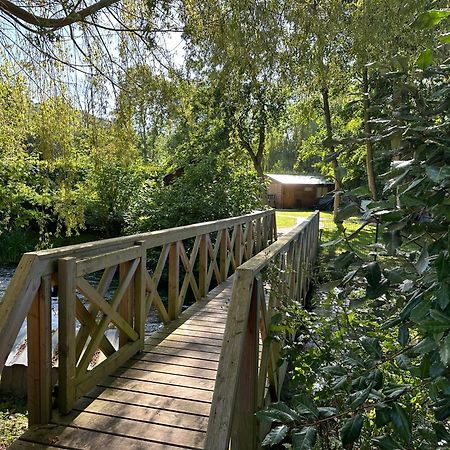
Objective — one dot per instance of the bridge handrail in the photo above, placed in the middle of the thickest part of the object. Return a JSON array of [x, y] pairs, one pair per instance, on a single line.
[[243, 372], [29, 292]]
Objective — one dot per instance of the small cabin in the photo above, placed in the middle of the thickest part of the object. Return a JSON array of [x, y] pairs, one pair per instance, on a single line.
[[296, 191]]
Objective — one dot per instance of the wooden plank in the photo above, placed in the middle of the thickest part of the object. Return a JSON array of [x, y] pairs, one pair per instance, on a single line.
[[203, 266], [163, 434], [244, 430], [84, 439], [108, 308], [88, 324], [66, 333], [223, 253], [181, 352], [88, 327], [147, 413], [184, 346], [39, 343], [125, 306], [154, 298], [174, 280], [17, 301], [127, 397], [140, 304], [24, 445], [169, 367], [188, 338], [134, 373], [182, 331], [219, 428], [166, 390], [176, 361], [99, 262]]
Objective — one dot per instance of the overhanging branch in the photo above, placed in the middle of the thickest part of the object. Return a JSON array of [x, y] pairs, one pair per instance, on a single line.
[[53, 23]]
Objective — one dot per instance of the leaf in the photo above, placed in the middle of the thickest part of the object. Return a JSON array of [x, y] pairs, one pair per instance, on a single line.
[[374, 292], [438, 174], [278, 412], [386, 443], [443, 295], [403, 335], [305, 406], [444, 38], [372, 347], [382, 416], [423, 261], [344, 260], [275, 436], [305, 439], [350, 210], [351, 430], [373, 273], [442, 266], [424, 346], [444, 351], [438, 323], [358, 398], [401, 422], [443, 412], [431, 18], [326, 411], [425, 59], [393, 241]]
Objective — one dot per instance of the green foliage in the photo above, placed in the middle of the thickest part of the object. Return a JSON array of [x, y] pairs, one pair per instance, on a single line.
[[374, 350], [208, 190]]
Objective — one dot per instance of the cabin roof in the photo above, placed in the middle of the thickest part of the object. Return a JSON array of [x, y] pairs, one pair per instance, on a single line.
[[297, 179]]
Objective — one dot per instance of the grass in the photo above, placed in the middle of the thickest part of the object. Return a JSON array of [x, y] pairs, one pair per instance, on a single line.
[[329, 231], [13, 419]]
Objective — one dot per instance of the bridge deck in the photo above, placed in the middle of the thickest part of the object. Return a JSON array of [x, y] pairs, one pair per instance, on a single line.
[[160, 399]]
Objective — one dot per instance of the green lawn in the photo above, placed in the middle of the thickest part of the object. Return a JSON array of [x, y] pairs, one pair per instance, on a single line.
[[329, 231]]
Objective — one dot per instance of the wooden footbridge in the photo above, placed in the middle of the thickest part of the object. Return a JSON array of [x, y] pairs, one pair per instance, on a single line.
[[197, 382]]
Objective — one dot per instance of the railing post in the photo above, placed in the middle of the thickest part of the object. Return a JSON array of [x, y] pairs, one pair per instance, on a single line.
[[66, 330], [223, 253], [174, 280], [274, 226], [244, 429], [238, 246], [140, 306], [258, 236], [203, 266], [125, 308], [39, 343]]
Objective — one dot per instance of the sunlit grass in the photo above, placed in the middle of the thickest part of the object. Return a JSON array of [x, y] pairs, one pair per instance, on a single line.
[[360, 242]]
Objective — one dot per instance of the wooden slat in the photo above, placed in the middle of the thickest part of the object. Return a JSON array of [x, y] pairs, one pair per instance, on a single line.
[[168, 366], [149, 414], [174, 280], [175, 361], [149, 387], [80, 438], [166, 378], [158, 434], [66, 333], [39, 344], [127, 397]]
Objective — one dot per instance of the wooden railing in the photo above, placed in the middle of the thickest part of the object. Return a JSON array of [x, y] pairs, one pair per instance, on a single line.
[[247, 374], [193, 256]]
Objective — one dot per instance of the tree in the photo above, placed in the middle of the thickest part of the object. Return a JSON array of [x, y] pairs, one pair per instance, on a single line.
[[234, 46]]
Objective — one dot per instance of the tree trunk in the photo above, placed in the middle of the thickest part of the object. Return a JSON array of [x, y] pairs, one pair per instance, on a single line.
[[334, 162], [257, 159], [368, 131]]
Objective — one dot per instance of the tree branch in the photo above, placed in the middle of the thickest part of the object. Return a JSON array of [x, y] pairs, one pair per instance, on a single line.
[[52, 23]]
